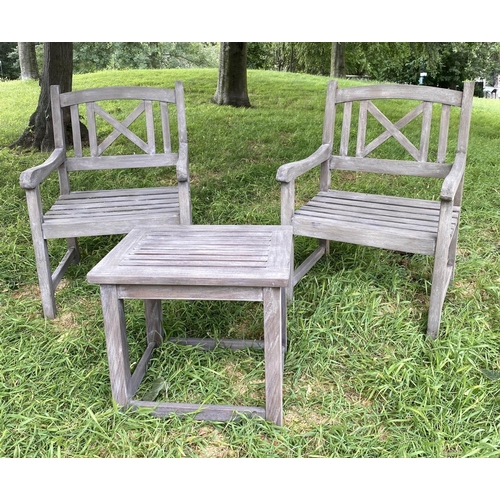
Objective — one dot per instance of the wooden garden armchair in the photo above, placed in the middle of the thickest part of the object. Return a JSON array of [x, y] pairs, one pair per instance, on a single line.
[[414, 225], [104, 212]]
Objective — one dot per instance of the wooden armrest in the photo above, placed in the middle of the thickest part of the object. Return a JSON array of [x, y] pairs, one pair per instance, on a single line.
[[183, 163], [452, 180], [290, 171], [32, 177]]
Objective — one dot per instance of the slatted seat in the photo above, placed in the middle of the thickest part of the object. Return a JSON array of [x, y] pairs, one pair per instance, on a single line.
[[357, 216], [81, 213], [112, 211], [427, 224]]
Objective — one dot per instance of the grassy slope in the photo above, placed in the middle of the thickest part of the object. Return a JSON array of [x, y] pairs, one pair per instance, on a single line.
[[360, 378]]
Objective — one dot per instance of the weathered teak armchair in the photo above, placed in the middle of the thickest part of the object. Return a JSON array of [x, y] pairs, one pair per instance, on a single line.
[[104, 212], [422, 226]]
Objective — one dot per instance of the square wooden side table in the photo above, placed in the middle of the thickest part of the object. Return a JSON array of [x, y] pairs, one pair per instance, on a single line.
[[238, 263]]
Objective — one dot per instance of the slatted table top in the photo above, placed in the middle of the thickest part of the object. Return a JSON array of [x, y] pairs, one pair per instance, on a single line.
[[241, 255]]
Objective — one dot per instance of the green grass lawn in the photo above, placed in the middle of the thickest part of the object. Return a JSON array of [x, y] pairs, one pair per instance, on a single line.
[[361, 379]]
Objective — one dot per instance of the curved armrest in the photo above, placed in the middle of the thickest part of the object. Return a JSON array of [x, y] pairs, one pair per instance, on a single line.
[[290, 171], [452, 180], [183, 163], [32, 177]]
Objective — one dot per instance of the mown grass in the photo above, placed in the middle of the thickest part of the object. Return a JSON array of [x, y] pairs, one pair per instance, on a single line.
[[361, 379]]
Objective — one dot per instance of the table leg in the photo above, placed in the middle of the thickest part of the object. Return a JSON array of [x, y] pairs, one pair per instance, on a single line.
[[273, 344], [116, 344]]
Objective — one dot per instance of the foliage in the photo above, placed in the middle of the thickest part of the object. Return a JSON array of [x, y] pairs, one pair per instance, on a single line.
[[9, 61], [447, 64], [360, 378], [295, 57], [97, 56]]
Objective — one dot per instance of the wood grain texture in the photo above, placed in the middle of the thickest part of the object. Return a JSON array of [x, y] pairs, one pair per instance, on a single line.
[[115, 211], [403, 224], [200, 255], [116, 345], [202, 263], [217, 413], [273, 348]]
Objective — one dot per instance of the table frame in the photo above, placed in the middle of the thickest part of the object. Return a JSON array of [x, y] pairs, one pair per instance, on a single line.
[[125, 384]]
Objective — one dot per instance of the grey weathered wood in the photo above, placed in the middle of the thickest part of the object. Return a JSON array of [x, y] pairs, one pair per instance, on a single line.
[[273, 343], [154, 316], [180, 292], [69, 258], [141, 369], [41, 252], [116, 345], [394, 91], [290, 171], [217, 413], [32, 177], [211, 344], [287, 208], [307, 264], [167, 144], [113, 162], [388, 166], [77, 137], [199, 255], [197, 263], [114, 93], [426, 131], [115, 211], [346, 129], [424, 226]]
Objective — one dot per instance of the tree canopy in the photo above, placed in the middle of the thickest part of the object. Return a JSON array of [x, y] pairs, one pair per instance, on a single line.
[[96, 56], [447, 64]]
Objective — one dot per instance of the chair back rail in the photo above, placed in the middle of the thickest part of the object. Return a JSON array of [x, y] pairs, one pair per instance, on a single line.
[[123, 130], [380, 134]]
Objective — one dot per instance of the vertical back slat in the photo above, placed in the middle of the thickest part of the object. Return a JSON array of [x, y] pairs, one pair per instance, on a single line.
[[444, 126], [363, 117], [183, 163], [329, 121], [92, 129], [328, 133], [165, 127], [465, 117], [150, 127], [57, 116], [346, 129], [75, 126], [59, 135], [426, 131], [181, 112]]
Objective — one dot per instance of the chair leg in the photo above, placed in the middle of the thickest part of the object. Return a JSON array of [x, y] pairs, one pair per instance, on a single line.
[[452, 254], [289, 288], [440, 281], [45, 278], [325, 244], [73, 245]]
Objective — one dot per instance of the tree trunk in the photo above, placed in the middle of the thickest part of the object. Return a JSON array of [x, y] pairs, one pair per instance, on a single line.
[[57, 70], [232, 82], [337, 66], [27, 61]]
